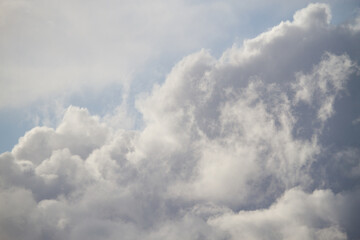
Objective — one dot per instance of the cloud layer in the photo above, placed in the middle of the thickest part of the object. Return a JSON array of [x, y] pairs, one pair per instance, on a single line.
[[48, 48], [253, 145]]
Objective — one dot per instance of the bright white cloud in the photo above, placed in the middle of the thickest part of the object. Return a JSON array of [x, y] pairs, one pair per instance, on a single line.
[[296, 215], [232, 148]]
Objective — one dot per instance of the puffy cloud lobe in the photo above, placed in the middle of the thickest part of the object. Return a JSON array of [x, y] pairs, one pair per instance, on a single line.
[[313, 15], [78, 131], [296, 215], [231, 148]]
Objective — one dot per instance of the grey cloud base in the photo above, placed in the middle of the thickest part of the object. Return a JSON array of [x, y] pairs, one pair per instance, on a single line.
[[259, 144]]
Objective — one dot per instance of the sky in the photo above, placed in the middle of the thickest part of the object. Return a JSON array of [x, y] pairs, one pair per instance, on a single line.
[[179, 119]]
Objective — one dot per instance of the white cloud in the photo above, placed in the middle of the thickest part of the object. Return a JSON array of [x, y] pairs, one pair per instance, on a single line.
[[325, 82], [231, 148], [78, 131], [296, 215], [50, 48]]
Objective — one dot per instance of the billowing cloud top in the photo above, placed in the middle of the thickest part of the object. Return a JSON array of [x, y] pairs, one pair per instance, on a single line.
[[261, 143]]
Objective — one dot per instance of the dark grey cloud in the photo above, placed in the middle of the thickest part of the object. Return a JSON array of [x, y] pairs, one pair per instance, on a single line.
[[240, 147]]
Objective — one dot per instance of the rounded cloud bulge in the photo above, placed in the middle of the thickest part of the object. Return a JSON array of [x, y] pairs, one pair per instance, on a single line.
[[260, 143]]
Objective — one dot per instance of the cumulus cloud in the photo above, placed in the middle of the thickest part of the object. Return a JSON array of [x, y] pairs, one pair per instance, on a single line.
[[296, 215], [240, 147]]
